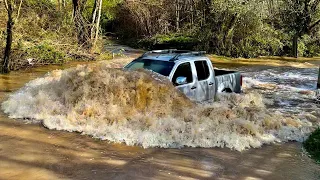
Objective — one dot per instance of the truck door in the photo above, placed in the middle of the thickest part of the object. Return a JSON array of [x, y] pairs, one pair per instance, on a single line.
[[205, 83], [184, 73]]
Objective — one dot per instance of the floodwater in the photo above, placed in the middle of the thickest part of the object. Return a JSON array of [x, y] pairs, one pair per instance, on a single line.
[[30, 151], [290, 88]]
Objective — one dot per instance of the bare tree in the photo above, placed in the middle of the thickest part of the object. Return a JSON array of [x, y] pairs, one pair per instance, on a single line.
[[177, 10], [9, 6], [6, 60], [59, 5], [98, 24], [81, 24], [96, 15], [93, 16]]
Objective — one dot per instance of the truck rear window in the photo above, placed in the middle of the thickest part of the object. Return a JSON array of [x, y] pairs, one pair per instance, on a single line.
[[162, 67]]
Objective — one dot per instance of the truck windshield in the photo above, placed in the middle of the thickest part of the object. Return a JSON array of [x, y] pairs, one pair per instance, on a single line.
[[162, 67]]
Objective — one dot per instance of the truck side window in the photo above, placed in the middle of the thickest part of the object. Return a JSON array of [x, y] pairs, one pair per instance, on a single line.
[[183, 70], [202, 70]]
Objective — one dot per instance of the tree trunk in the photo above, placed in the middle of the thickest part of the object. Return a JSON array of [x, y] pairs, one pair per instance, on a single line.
[[59, 5], [93, 18], [230, 28], [81, 25], [207, 10], [192, 9], [19, 9], [177, 15], [295, 46], [98, 24], [6, 60]]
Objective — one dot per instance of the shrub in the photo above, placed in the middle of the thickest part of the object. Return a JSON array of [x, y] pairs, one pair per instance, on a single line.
[[312, 145], [45, 53], [105, 56], [164, 41]]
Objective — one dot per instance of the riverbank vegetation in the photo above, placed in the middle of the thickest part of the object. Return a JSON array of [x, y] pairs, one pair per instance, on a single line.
[[40, 32], [224, 27], [46, 32], [312, 145]]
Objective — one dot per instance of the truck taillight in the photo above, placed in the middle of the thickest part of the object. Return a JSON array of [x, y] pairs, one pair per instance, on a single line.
[[241, 77]]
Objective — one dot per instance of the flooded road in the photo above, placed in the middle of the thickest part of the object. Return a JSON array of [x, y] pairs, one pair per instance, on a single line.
[[30, 151], [291, 89]]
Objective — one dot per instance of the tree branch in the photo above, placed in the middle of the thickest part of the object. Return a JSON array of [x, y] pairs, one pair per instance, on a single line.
[[6, 5], [314, 5], [18, 13], [314, 25]]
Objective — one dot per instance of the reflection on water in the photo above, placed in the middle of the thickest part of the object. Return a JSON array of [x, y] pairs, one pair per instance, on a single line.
[[16, 79], [33, 152]]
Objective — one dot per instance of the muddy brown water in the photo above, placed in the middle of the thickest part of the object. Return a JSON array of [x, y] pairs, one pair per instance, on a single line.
[[30, 151]]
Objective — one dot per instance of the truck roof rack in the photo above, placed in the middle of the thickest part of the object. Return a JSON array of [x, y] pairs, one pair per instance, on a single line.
[[177, 53], [190, 53], [164, 51]]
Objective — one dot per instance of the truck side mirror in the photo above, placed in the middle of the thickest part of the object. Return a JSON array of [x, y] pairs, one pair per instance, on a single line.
[[181, 80]]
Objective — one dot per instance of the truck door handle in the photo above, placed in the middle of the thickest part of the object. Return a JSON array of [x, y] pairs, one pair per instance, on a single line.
[[194, 87], [210, 84]]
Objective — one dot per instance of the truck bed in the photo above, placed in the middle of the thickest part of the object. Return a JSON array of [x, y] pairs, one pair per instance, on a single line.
[[219, 72], [227, 81]]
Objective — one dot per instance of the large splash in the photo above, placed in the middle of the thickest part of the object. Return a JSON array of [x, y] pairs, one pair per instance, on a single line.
[[143, 108]]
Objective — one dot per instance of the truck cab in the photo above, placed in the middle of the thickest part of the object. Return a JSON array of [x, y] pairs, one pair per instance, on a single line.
[[190, 72]]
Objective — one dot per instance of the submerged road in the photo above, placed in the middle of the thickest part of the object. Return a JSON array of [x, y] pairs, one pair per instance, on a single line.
[[33, 152], [30, 151]]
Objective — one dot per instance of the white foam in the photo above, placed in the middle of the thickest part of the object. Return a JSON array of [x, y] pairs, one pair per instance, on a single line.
[[139, 108]]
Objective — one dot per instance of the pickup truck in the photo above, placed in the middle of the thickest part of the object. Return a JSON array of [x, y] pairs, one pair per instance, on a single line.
[[191, 72]]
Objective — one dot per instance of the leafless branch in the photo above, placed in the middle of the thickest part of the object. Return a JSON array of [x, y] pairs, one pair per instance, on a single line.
[[18, 13], [314, 25], [6, 5], [314, 5]]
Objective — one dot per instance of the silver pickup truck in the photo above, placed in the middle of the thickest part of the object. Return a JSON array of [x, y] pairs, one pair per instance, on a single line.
[[191, 72]]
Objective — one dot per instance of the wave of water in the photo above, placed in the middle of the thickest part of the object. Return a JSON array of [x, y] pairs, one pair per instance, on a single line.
[[291, 89], [142, 108]]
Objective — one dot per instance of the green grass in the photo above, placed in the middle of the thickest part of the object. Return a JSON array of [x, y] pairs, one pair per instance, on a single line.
[[312, 145], [46, 53]]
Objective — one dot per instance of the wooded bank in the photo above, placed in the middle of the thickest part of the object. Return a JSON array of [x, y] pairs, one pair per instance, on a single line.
[[32, 30]]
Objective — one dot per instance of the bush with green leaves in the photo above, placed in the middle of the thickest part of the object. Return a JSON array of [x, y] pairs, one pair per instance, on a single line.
[[46, 54], [162, 41], [309, 45], [312, 145]]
